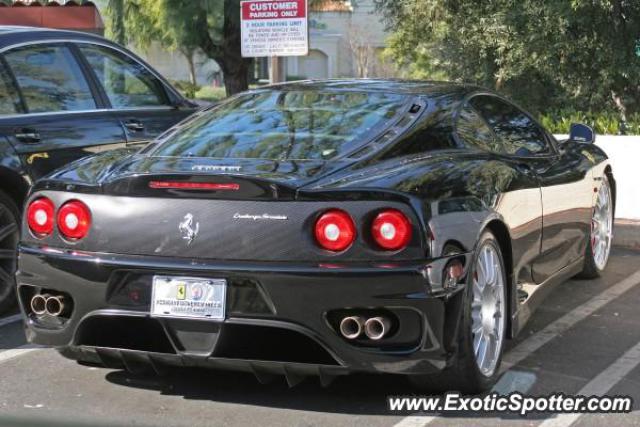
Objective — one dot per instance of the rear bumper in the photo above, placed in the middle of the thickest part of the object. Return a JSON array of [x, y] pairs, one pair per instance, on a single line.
[[281, 317]]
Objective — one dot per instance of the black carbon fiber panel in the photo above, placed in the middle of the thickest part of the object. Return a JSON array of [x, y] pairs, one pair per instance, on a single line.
[[226, 229]]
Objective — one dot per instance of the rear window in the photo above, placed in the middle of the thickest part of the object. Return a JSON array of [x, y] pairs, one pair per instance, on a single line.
[[285, 125]]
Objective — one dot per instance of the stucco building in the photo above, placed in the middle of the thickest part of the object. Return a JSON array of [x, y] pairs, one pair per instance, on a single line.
[[346, 40]]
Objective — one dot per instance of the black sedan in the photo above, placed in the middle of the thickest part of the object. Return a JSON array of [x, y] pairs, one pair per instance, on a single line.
[[318, 228], [65, 95]]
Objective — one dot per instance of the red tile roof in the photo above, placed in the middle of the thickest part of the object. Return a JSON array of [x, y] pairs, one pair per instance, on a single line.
[[331, 6], [70, 16]]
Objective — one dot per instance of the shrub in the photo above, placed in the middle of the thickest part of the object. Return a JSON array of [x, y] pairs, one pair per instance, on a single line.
[[211, 94], [604, 123], [187, 88]]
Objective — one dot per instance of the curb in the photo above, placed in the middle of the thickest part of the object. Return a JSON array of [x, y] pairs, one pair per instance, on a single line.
[[627, 234]]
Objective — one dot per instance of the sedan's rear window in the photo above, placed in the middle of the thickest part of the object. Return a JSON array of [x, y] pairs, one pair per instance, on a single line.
[[302, 124]]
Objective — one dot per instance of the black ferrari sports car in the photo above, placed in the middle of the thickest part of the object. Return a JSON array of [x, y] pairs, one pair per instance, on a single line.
[[318, 228]]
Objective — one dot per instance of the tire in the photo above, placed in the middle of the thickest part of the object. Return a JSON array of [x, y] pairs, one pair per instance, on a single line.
[[9, 237], [594, 266], [465, 375]]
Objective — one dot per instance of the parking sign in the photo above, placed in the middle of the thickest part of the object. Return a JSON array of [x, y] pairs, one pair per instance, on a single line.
[[274, 28]]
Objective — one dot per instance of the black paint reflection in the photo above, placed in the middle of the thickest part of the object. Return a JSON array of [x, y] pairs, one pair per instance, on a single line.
[[285, 125]]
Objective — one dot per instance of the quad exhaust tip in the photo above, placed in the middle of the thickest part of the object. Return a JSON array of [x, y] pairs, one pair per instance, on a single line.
[[351, 327], [39, 304], [375, 328], [55, 306], [46, 304]]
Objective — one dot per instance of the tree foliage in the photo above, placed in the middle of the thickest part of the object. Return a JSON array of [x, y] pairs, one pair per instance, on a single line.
[[212, 26], [116, 28], [544, 53]]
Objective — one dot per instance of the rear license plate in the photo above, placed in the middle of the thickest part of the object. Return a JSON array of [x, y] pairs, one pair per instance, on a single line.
[[190, 297]]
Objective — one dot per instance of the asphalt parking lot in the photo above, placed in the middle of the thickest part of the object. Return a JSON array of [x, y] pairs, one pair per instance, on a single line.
[[585, 339]]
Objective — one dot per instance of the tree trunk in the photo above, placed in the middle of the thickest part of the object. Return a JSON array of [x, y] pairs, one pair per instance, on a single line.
[[118, 34], [116, 21], [235, 68], [235, 77], [227, 53], [192, 67], [622, 109]]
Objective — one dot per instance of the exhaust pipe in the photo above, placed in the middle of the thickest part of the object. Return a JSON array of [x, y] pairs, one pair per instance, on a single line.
[[351, 327], [376, 328], [39, 304], [55, 306]]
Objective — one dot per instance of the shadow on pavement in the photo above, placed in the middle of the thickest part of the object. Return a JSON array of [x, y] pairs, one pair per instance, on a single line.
[[12, 336], [354, 394]]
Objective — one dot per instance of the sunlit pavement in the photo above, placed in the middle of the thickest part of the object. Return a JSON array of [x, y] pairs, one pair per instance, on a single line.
[[581, 330]]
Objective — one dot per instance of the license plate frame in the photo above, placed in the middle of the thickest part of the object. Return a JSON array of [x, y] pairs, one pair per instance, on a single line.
[[186, 297]]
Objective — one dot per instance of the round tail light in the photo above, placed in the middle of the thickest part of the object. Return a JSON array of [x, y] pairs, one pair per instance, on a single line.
[[335, 230], [74, 220], [391, 230], [40, 217]]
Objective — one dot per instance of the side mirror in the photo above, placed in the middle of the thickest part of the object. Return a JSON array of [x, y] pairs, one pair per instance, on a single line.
[[582, 134]]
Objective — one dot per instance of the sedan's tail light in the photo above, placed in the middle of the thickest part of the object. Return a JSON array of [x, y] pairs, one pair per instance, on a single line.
[[335, 230], [74, 220], [391, 230], [40, 217]]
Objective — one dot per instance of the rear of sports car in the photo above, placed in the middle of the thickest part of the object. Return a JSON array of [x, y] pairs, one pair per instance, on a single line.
[[235, 261]]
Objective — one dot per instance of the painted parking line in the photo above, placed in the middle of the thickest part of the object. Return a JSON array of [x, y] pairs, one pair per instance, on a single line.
[[542, 337], [10, 319], [12, 353], [601, 384], [416, 420]]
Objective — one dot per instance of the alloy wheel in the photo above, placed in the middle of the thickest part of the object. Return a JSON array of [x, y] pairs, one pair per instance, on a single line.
[[488, 310], [602, 227]]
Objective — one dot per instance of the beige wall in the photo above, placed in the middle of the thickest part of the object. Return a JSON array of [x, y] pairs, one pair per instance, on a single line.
[[174, 66], [336, 35], [623, 152]]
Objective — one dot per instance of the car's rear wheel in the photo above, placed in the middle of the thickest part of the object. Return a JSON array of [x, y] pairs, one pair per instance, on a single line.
[[599, 247], [483, 326], [9, 236]]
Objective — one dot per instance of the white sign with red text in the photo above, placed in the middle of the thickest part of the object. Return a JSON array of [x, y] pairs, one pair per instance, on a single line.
[[274, 28]]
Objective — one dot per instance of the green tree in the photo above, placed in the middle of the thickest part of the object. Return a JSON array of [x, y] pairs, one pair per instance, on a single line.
[[212, 26], [544, 53], [116, 21]]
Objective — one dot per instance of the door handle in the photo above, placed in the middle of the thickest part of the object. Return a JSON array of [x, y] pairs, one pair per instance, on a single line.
[[134, 125], [27, 135]]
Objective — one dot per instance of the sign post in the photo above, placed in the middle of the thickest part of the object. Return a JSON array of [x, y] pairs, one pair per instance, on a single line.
[[274, 28]]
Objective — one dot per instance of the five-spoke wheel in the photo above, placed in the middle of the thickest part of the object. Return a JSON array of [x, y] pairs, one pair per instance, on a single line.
[[488, 309], [601, 239]]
